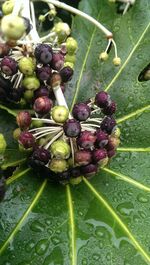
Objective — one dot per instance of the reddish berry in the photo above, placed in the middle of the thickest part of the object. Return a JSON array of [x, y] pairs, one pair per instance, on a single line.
[[23, 119], [86, 140], [111, 153], [42, 105], [83, 157], [4, 49], [99, 154], [27, 140]]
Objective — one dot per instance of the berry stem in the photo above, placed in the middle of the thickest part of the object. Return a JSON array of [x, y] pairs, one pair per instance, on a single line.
[[17, 7], [80, 13], [53, 140]]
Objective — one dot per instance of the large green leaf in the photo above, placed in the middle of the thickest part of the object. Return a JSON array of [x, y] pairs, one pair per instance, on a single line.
[[106, 220]]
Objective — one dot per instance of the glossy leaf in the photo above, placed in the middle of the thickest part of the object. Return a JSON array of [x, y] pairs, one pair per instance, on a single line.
[[105, 220]]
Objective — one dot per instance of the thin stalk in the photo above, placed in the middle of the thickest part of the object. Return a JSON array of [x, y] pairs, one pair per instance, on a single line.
[[82, 14], [54, 139]]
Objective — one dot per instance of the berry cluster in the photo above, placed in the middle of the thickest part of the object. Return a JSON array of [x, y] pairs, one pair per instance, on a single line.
[[69, 146], [27, 79]]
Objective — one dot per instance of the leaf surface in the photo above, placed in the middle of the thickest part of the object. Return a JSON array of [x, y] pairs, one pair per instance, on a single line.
[[105, 220]]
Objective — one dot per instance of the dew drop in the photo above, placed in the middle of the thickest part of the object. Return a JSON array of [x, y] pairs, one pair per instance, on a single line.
[[37, 227], [142, 198], [42, 246], [125, 208]]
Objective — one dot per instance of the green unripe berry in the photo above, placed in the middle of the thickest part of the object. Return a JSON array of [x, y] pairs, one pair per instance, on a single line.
[[7, 7], [116, 61], [42, 18], [71, 65], [70, 58], [62, 30], [3, 144], [75, 181], [28, 95], [103, 162], [116, 132], [26, 66], [24, 150], [31, 83], [36, 124], [13, 27], [52, 14], [16, 133], [60, 114], [103, 56], [60, 149], [58, 165], [71, 45]]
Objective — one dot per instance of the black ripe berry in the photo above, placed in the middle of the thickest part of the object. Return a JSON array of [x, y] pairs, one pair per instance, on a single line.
[[66, 74], [102, 99], [43, 53], [81, 111], [72, 128], [108, 124]]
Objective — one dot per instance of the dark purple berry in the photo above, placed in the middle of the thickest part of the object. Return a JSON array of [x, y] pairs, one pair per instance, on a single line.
[[72, 128], [15, 95], [110, 109], [111, 153], [108, 124], [89, 170], [66, 74], [43, 53], [42, 105], [42, 155], [9, 66], [83, 157], [41, 92], [99, 154], [4, 49], [57, 61], [23, 119], [63, 176], [26, 139], [81, 111], [86, 140], [102, 138], [75, 172], [43, 73], [102, 99]]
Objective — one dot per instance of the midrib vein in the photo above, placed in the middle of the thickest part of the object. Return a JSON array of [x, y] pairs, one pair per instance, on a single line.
[[22, 219], [72, 226], [83, 66], [127, 179], [119, 221], [16, 176], [128, 58], [132, 114], [133, 149]]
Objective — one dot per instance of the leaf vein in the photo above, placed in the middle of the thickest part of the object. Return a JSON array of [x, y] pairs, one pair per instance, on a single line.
[[22, 219], [118, 220]]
